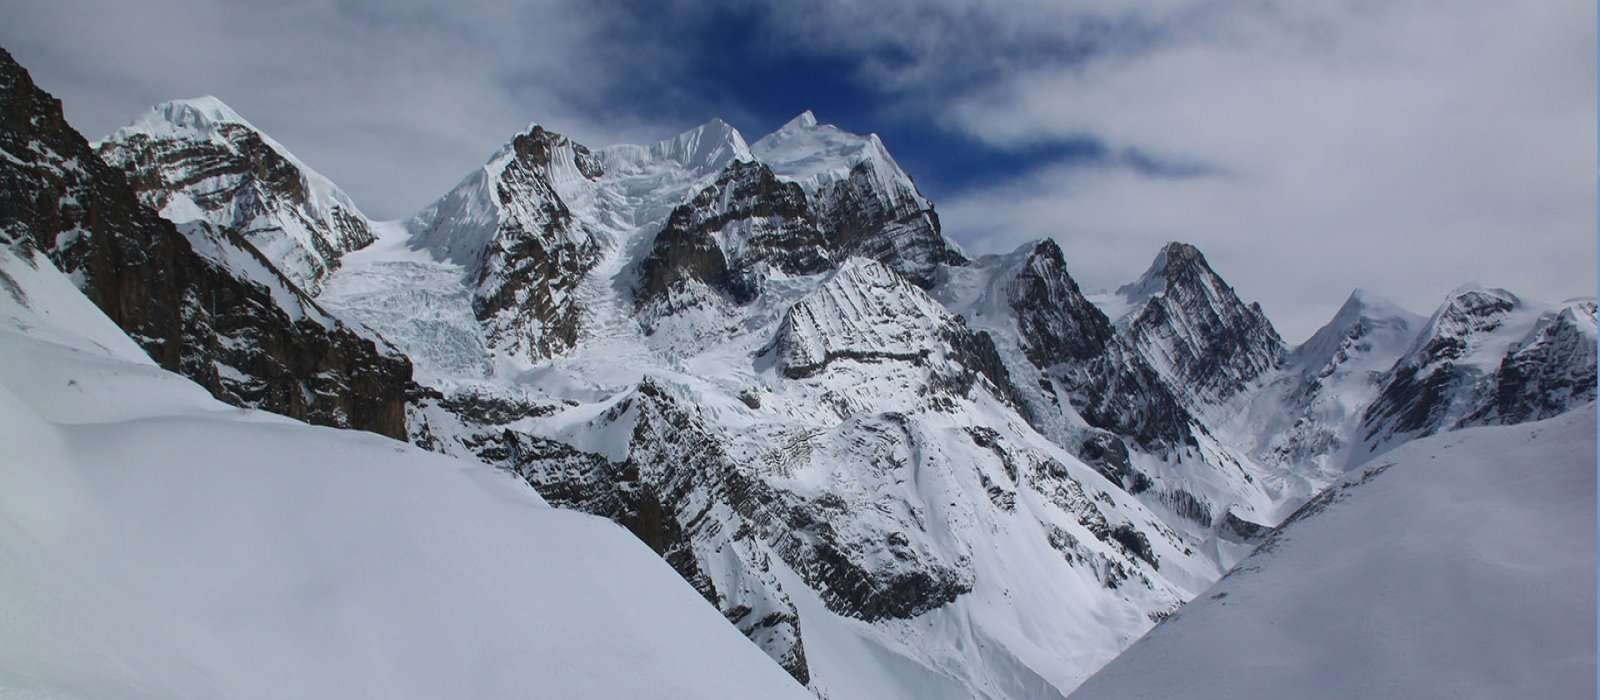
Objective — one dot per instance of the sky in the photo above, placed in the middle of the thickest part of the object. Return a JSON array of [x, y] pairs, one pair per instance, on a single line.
[[1308, 148]]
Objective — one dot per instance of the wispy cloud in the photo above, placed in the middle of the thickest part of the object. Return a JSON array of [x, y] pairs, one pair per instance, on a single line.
[[1404, 146], [1400, 146], [393, 99]]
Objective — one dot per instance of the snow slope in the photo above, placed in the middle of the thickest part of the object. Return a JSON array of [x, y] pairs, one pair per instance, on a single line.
[[1460, 565], [159, 544]]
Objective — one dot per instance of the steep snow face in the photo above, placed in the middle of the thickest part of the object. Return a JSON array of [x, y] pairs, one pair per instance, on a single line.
[[866, 203], [1191, 327], [158, 543], [201, 301], [707, 148], [864, 312], [509, 227], [1311, 412], [1486, 356], [197, 159], [1391, 575]]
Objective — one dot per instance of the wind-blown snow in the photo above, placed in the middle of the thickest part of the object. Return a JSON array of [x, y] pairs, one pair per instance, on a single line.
[[159, 544], [1456, 566]]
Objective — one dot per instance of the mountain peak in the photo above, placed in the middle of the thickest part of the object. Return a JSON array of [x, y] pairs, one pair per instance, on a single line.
[[1363, 303], [186, 116], [1471, 289], [803, 120], [1171, 261], [707, 148], [1363, 315]]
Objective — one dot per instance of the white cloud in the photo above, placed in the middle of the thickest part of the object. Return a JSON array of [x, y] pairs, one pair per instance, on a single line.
[[395, 100], [1400, 146]]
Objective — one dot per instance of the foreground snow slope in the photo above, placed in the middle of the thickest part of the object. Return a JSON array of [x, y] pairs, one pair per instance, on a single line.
[[1460, 565], [156, 543]]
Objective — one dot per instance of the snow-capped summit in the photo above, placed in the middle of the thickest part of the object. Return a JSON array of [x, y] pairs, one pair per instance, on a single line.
[[510, 229], [870, 206], [803, 120], [818, 155], [197, 159], [1311, 412], [1154, 279], [198, 298], [707, 148], [1366, 323], [1486, 356], [203, 114]]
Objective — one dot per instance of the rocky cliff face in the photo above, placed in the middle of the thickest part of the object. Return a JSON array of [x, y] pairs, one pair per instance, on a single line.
[[197, 159], [730, 235], [523, 250], [1078, 350], [1486, 356], [203, 302], [1193, 329], [1548, 372], [868, 206]]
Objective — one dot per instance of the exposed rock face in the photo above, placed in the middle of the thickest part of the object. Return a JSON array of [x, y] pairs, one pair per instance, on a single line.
[[199, 160], [1486, 357], [1057, 323], [1548, 372], [1074, 345], [203, 302], [510, 228], [1195, 331], [730, 233], [868, 206], [882, 217], [675, 488]]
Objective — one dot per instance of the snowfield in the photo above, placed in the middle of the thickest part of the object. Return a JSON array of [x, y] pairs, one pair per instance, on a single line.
[[156, 543], [1456, 566]]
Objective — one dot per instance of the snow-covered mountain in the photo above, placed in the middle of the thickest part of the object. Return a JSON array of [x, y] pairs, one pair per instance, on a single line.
[[898, 470], [1192, 328], [197, 159], [200, 300], [1313, 410], [819, 445], [1460, 565], [866, 203], [159, 543], [1486, 357]]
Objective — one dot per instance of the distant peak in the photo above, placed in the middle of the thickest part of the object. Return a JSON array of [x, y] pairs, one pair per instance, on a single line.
[[195, 113], [708, 147], [804, 120], [1047, 247], [1177, 252], [1478, 288], [1172, 258], [1364, 304]]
